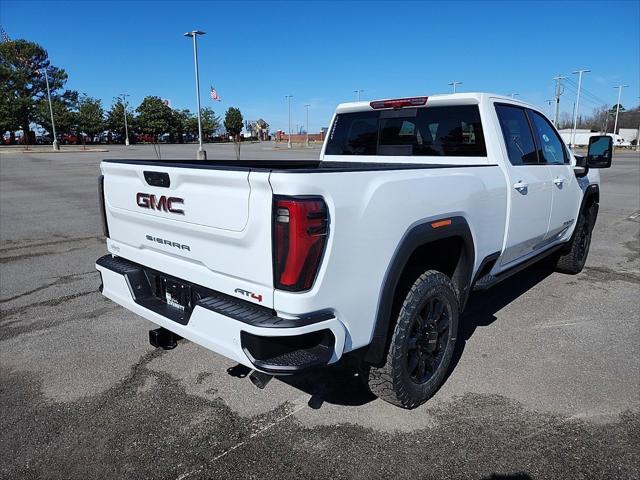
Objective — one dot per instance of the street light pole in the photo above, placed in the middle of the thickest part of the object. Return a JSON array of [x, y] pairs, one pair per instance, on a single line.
[[615, 125], [56, 145], [126, 126], [358, 92], [575, 112], [454, 84], [289, 97], [202, 155], [307, 107]]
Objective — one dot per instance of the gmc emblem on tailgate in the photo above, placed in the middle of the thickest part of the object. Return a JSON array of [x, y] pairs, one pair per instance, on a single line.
[[165, 204]]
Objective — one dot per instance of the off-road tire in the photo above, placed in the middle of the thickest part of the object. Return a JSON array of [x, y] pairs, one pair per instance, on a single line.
[[572, 260], [393, 382]]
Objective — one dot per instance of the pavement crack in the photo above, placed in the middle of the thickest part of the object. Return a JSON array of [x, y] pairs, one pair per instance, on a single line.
[[64, 280], [54, 242], [15, 258], [45, 303]]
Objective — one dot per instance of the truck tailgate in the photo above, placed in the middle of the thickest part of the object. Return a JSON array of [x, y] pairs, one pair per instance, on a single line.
[[208, 226]]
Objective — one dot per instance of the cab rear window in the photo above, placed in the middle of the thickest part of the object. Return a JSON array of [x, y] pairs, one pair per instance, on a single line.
[[424, 131]]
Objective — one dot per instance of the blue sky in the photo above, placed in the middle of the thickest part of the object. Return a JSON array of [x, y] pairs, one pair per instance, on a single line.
[[255, 53]]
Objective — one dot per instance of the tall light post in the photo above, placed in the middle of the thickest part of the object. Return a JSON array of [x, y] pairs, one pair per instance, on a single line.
[[289, 97], [202, 155], [126, 126], [56, 145], [454, 84], [575, 112], [307, 107], [358, 92], [615, 125]]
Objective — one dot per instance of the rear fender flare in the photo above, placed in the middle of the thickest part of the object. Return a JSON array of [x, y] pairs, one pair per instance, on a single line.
[[419, 234]]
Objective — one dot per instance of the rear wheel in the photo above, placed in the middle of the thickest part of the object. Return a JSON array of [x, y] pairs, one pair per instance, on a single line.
[[572, 262], [422, 344]]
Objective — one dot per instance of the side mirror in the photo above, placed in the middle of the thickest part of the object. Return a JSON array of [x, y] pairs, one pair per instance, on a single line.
[[600, 151]]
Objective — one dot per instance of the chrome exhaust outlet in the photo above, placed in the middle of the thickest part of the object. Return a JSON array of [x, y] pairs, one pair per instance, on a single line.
[[260, 379]]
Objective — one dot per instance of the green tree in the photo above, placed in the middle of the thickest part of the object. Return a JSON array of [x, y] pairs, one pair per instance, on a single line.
[[180, 124], [90, 116], [154, 117], [191, 124], [115, 120], [22, 82], [63, 113], [233, 125], [210, 122]]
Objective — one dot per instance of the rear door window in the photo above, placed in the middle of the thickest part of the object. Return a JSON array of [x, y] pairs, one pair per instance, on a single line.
[[427, 131]]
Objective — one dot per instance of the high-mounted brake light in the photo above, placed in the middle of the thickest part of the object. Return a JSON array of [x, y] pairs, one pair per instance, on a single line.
[[399, 103], [300, 228]]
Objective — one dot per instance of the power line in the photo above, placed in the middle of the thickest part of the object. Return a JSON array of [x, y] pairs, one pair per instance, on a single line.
[[574, 90], [587, 92]]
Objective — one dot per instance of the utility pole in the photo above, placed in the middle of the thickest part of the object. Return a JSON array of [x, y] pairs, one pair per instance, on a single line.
[[126, 127], [550, 102], [201, 155], [307, 107], [577, 106], [289, 97], [615, 125], [454, 84], [56, 145], [559, 91], [358, 92]]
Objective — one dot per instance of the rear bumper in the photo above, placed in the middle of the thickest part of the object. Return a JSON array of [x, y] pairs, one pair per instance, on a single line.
[[246, 333]]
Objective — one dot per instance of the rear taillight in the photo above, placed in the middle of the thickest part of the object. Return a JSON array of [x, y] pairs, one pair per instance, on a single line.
[[300, 228], [399, 103], [103, 211]]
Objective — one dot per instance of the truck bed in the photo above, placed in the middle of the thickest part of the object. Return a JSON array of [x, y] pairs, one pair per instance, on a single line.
[[298, 166]]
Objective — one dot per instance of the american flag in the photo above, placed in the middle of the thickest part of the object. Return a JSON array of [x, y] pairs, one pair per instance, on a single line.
[[214, 94]]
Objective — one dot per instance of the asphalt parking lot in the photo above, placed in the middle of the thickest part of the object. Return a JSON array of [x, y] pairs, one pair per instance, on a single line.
[[546, 385]]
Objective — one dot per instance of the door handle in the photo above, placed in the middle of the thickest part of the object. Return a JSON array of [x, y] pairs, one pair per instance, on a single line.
[[558, 181], [520, 186]]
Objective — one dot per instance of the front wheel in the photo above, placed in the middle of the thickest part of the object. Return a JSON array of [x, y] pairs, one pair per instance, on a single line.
[[572, 262], [422, 344]]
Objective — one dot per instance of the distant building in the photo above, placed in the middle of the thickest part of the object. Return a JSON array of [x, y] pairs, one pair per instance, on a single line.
[[583, 135]]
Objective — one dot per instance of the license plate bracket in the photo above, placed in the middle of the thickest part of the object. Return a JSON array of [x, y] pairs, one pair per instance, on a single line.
[[174, 294]]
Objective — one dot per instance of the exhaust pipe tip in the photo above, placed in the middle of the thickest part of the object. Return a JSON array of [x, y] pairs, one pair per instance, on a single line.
[[260, 379]]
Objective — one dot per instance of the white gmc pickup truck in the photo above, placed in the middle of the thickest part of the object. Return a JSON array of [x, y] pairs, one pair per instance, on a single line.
[[372, 250]]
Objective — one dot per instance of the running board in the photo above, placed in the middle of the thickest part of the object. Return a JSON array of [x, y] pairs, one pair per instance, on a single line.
[[488, 280]]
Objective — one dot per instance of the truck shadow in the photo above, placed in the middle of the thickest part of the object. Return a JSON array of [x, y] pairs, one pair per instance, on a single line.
[[345, 382]]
